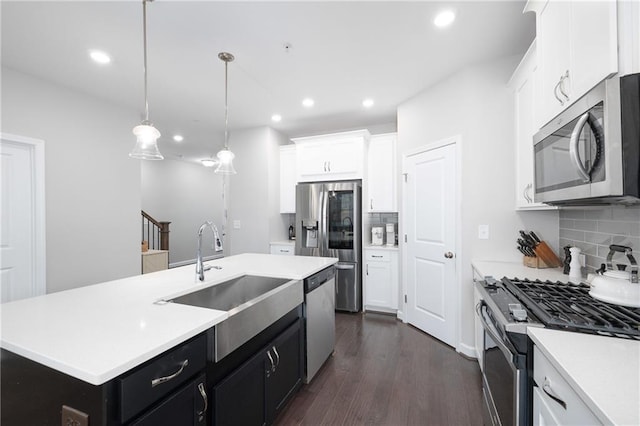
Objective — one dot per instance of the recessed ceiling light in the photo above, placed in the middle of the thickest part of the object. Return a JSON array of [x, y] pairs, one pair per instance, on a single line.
[[276, 118], [367, 103], [100, 57], [178, 138], [308, 102], [444, 18], [208, 162]]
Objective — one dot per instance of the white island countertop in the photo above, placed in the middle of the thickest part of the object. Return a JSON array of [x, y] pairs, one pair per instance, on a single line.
[[97, 332], [604, 371]]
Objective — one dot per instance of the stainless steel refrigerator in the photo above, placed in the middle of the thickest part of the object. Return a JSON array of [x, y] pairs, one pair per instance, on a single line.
[[328, 224]]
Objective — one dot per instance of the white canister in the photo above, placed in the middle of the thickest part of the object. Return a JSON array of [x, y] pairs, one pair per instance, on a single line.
[[575, 268]]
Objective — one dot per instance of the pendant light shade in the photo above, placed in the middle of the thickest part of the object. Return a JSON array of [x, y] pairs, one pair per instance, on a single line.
[[225, 156], [146, 143], [146, 135]]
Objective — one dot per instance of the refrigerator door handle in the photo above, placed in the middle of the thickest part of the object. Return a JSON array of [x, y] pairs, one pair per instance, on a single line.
[[324, 223], [345, 266]]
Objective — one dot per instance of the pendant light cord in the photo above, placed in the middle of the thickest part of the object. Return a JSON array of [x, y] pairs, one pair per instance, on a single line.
[[144, 44], [226, 107]]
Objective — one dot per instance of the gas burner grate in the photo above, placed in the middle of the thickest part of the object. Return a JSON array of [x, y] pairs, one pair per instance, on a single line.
[[570, 307]]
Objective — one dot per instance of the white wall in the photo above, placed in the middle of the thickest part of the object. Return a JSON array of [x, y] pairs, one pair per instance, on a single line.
[[253, 192], [187, 195], [477, 105], [92, 186]]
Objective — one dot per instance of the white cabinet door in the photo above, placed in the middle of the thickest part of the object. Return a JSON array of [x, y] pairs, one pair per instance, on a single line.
[[523, 83], [381, 280], [381, 174], [594, 44], [338, 156], [478, 329], [553, 38], [288, 179], [577, 48]]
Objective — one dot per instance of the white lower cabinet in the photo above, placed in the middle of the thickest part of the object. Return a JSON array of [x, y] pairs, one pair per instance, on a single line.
[[381, 280], [478, 329], [554, 401]]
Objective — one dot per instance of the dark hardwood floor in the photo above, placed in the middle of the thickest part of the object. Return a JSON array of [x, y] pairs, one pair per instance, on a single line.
[[385, 372]]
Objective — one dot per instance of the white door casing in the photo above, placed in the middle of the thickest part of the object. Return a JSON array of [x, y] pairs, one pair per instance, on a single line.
[[22, 218], [430, 225]]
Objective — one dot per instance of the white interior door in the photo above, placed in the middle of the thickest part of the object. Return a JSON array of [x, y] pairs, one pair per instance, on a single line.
[[430, 228], [22, 269]]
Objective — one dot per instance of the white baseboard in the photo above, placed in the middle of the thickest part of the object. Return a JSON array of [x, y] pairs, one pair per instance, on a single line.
[[466, 350]]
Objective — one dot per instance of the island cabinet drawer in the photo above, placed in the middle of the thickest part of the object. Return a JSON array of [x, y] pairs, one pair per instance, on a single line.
[[554, 398], [160, 376]]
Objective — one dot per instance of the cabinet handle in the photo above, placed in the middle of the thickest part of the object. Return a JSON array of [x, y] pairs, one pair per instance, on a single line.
[[203, 393], [546, 387], [275, 351], [325, 166], [160, 380], [367, 267], [555, 93], [273, 366], [561, 85], [377, 256], [371, 204]]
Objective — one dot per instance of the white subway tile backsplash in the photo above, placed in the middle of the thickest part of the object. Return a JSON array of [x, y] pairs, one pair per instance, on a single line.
[[593, 230]]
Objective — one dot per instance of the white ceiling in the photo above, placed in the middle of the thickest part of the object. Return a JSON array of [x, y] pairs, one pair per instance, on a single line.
[[341, 52]]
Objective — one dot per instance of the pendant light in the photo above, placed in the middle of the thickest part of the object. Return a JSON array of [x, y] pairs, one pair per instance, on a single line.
[[146, 135], [225, 157]]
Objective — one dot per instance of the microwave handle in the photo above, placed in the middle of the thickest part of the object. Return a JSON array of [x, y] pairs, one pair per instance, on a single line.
[[573, 148]]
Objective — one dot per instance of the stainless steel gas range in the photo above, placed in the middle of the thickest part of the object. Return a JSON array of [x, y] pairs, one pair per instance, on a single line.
[[507, 308]]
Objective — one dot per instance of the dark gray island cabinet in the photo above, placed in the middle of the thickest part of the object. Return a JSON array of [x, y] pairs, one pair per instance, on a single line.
[[182, 386]]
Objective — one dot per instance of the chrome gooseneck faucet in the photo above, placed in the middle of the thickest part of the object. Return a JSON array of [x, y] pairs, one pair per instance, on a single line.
[[217, 246]]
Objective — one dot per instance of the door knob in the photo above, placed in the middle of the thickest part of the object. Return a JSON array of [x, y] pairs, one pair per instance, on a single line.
[[448, 255]]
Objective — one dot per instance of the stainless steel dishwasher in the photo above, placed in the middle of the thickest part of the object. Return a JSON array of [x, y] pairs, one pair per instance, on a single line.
[[320, 319]]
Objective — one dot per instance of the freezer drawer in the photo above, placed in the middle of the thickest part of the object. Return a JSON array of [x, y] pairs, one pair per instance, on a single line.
[[348, 287]]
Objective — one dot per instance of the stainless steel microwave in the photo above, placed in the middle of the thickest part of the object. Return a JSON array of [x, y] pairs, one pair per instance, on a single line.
[[590, 153]]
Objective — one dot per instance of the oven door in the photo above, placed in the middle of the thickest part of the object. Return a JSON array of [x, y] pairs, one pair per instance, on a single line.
[[504, 381]]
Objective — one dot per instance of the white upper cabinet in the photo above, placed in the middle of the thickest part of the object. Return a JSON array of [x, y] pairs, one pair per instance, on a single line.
[[288, 179], [577, 48], [337, 156], [381, 175], [523, 84]]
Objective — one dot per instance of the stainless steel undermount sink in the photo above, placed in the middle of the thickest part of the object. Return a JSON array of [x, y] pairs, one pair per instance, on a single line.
[[252, 302]]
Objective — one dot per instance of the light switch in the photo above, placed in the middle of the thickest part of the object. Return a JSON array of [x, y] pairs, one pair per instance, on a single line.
[[483, 232], [236, 224]]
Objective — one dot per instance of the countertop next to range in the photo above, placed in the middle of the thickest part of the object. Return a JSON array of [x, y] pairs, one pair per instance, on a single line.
[[498, 270], [97, 332], [604, 371]]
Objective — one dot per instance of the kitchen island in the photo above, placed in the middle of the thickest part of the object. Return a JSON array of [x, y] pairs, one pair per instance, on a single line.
[[97, 333]]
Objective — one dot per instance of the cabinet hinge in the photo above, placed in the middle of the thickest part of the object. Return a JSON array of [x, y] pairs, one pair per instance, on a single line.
[[405, 298]]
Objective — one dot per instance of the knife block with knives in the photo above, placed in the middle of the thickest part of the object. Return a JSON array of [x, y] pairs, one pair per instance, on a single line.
[[537, 253]]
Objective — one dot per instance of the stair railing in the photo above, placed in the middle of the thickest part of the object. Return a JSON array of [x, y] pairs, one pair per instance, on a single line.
[[155, 232]]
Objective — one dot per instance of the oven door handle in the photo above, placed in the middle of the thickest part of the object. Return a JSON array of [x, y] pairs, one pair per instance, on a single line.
[[502, 344]]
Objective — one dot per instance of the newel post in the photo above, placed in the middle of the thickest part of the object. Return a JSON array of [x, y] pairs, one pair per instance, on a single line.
[[164, 235]]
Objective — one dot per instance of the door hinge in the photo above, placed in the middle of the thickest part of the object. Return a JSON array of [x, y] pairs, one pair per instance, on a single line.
[[405, 176], [405, 298], [405, 238]]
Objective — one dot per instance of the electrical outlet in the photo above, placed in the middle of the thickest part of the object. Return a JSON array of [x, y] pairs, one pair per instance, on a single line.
[[483, 232], [583, 260], [73, 417], [236, 224]]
